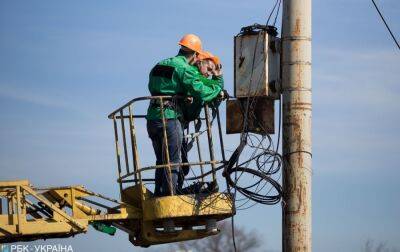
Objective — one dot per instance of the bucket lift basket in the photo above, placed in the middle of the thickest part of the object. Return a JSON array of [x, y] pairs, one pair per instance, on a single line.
[[191, 213]]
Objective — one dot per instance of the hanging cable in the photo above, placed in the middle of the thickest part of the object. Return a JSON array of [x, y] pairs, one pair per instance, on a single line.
[[277, 12], [387, 26], [272, 11]]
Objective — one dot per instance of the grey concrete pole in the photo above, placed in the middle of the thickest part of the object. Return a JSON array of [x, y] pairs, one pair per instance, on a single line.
[[297, 106]]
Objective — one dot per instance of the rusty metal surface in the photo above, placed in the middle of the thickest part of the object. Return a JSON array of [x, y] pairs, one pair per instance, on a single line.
[[199, 156], [210, 142], [135, 154], [297, 107], [124, 140], [117, 151], [261, 119], [257, 65]]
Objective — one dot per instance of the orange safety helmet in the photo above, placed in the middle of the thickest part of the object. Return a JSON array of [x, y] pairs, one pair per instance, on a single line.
[[207, 55], [192, 42]]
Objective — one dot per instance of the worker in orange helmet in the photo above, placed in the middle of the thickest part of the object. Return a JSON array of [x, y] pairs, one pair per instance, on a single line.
[[209, 64], [175, 76]]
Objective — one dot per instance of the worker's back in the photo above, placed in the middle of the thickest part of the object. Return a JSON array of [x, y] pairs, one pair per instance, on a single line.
[[175, 76], [166, 77]]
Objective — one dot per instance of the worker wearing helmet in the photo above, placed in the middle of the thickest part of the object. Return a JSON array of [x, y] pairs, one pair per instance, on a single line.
[[175, 76], [209, 66]]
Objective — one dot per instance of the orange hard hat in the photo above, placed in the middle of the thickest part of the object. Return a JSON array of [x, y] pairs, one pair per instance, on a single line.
[[192, 42], [207, 55]]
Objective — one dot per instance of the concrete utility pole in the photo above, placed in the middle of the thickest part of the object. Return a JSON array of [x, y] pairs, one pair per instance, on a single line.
[[297, 106]]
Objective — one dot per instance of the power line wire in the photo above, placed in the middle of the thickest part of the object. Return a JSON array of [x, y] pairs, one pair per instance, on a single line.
[[272, 12], [277, 12], [387, 26]]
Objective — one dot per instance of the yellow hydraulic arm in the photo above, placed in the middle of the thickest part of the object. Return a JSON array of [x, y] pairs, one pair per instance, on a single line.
[[53, 212], [60, 212]]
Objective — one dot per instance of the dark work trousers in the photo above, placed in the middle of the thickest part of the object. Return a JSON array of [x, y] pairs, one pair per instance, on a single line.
[[175, 137]]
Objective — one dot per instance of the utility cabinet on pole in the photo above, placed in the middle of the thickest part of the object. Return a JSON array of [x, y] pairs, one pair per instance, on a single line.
[[297, 107], [257, 62], [256, 76]]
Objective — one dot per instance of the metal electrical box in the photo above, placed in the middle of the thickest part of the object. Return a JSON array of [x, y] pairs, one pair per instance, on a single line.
[[257, 63], [260, 117]]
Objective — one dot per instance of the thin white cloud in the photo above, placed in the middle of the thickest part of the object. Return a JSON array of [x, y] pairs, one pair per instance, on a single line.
[[367, 78], [34, 97], [356, 102]]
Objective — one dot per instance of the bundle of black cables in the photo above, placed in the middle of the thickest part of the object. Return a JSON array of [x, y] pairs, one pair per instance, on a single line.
[[232, 169]]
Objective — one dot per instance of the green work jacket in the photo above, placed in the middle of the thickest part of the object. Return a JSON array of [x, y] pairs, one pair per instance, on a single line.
[[192, 111], [175, 76]]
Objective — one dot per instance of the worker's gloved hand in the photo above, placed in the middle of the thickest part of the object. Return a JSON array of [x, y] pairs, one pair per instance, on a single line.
[[223, 95], [217, 71], [189, 99]]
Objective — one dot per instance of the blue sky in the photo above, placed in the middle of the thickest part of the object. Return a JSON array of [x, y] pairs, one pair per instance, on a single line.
[[66, 64]]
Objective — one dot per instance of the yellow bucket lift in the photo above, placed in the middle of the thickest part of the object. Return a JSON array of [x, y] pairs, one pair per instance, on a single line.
[[28, 213]]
